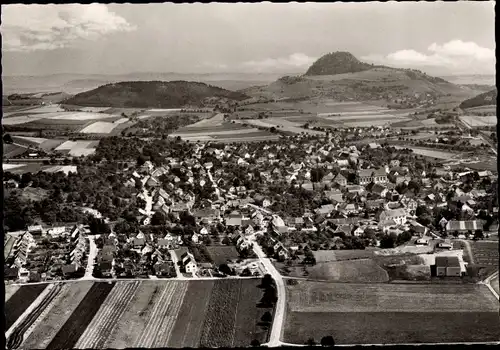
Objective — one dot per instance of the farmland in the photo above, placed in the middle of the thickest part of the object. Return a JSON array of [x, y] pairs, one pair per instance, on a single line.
[[475, 121], [143, 314], [220, 254], [20, 301], [361, 270], [390, 313], [77, 148], [75, 325], [485, 253], [63, 306], [215, 129], [431, 153]]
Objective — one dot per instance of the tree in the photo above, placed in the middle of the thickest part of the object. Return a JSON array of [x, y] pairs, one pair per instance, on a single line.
[[224, 268], [267, 281], [311, 342], [267, 317], [255, 343], [403, 237], [7, 138], [387, 241], [158, 219], [327, 341], [478, 234]]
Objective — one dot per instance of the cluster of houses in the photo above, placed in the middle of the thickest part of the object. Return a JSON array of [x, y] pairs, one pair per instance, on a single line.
[[47, 254]]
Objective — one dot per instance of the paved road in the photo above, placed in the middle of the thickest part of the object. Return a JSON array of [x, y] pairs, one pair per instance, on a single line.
[[279, 314], [488, 282]]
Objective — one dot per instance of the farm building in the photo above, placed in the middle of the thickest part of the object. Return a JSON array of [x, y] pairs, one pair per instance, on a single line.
[[448, 266], [464, 226]]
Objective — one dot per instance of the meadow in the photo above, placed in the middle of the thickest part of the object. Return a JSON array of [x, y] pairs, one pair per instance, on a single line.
[[476, 121]]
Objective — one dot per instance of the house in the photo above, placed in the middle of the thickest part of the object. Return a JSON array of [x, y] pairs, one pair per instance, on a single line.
[[464, 226], [340, 179], [266, 203], [35, 229], [11, 273], [68, 270], [447, 266], [207, 214], [379, 190], [188, 262], [138, 243], [56, 231], [397, 215], [234, 220], [328, 178]]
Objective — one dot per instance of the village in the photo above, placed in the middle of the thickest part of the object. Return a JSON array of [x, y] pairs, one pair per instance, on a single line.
[[208, 211]]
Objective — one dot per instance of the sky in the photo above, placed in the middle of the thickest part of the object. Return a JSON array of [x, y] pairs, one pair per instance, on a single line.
[[440, 38]]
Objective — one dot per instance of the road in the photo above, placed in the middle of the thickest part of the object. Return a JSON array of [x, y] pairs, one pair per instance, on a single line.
[[173, 256], [488, 282], [214, 184], [149, 202], [91, 259], [279, 314]]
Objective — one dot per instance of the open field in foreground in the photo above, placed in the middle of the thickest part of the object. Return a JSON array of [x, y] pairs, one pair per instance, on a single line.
[[393, 327], [145, 314], [390, 313], [20, 301]]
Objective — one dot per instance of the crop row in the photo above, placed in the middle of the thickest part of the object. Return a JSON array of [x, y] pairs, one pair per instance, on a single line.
[[105, 319], [74, 327]]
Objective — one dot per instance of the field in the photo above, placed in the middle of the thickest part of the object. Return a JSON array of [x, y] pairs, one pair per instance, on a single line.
[[221, 131], [63, 306], [20, 301], [390, 313], [9, 166], [280, 124], [10, 290], [495, 284], [29, 116], [143, 314], [474, 121], [339, 255], [360, 270], [11, 150], [64, 168], [431, 153], [100, 127], [77, 148], [485, 253], [221, 254]]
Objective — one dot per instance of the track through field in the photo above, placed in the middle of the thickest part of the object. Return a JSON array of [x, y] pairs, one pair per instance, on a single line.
[[17, 336]]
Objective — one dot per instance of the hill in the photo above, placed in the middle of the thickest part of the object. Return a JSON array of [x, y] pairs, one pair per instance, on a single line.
[[342, 77], [484, 99], [157, 94], [337, 63]]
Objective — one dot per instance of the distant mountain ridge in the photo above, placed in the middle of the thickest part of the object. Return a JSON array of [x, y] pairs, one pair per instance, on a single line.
[[149, 94], [341, 76], [337, 63]]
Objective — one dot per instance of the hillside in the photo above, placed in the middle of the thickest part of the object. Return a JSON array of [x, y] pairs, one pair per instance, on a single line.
[[484, 99], [158, 94], [337, 63], [342, 77]]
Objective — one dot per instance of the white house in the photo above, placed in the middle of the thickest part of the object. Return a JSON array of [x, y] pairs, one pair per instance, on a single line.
[[398, 215]]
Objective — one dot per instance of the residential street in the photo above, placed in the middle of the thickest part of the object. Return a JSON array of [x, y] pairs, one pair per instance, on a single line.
[[91, 259], [279, 315]]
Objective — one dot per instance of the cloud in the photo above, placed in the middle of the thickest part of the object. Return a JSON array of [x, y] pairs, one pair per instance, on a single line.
[[46, 27], [456, 55], [294, 62]]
